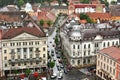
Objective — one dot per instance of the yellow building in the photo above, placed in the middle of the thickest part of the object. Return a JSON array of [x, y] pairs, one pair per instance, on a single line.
[[106, 63], [24, 48]]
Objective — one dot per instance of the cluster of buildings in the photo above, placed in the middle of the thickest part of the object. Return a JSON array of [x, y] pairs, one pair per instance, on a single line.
[[23, 41]]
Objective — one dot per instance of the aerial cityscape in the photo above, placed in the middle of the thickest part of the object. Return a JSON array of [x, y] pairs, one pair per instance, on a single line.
[[59, 39]]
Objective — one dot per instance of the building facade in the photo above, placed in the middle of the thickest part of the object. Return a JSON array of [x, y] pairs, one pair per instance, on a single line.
[[81, 42], [85, 8], [24, 48], [107, 66]]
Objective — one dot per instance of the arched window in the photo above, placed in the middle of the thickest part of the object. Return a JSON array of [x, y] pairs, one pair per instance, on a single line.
[[104, 44], [78, 62], [108, 44]]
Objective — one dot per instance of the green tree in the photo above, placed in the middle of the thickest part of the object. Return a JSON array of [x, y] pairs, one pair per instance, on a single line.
[[56, 40], [15, 71], [49, 22], [41, 22], [20, 2], [27, 71], [84, 16], [59, 2], [84, 1], [51, 64], [113, 2]]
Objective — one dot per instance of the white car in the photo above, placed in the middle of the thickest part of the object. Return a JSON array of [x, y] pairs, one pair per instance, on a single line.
[[53, 76], [60, 75]]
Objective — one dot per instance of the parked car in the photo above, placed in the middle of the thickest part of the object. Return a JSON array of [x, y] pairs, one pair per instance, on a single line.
[[60, 76], [53, 76]]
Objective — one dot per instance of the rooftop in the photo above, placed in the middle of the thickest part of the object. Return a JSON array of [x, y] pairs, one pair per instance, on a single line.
[[13, 32], [113, 52]]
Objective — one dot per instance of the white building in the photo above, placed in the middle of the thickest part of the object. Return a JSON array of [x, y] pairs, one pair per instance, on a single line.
[[24, 48], [81, 42]]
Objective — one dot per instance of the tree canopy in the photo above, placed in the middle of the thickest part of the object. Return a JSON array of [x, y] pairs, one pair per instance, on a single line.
[[84, 16], [41, 22], [84, 1], [49, 22], [51, 64]]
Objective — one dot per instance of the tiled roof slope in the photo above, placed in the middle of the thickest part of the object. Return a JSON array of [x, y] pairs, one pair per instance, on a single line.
[[12, 16], [113, 52], [105, 33], [13, 32], [99, 15]]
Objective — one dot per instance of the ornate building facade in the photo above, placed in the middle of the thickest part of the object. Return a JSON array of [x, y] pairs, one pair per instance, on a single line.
[[81, 42], [24, 48]]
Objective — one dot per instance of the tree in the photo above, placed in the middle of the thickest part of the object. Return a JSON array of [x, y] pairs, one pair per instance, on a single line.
[[84, 1], [20, 2], [49, 22], [84, 16], [59, 2], [56, 40], [113, 2], [41, 22], [27, 72], [51, 64]]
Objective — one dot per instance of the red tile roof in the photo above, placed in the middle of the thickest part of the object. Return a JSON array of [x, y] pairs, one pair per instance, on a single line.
[[99, 15], [86, 5], [113, 52], [13, 32]]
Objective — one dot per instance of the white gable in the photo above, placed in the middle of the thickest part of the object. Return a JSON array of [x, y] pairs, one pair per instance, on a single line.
[[98, 37], [25, 36]]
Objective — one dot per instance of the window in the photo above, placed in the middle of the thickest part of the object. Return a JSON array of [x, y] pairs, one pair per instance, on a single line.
[[73, 53], [37, 62], [89, 52], [25, 63], [31, 49], [84, 61], [84, 46], [44, 42], [43, 48], [104, 44], [78, 46], [89, 46], [24, 50], [24, 43], [73, 46], [84, 53], [18, 56], [117, 43], [44, 55], [44, 61], [37, 55], [18, 50], [107, 60], [31, 63], [25, 56], [30, 43], [5, 58], [13, 64], [107, 67], [113, 43], [12, 57], [30, 55], [19, 64], [104, 58], [5, 51], [5, 65], [113, 71], [110, 70], [108, 44], [88, 60]]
